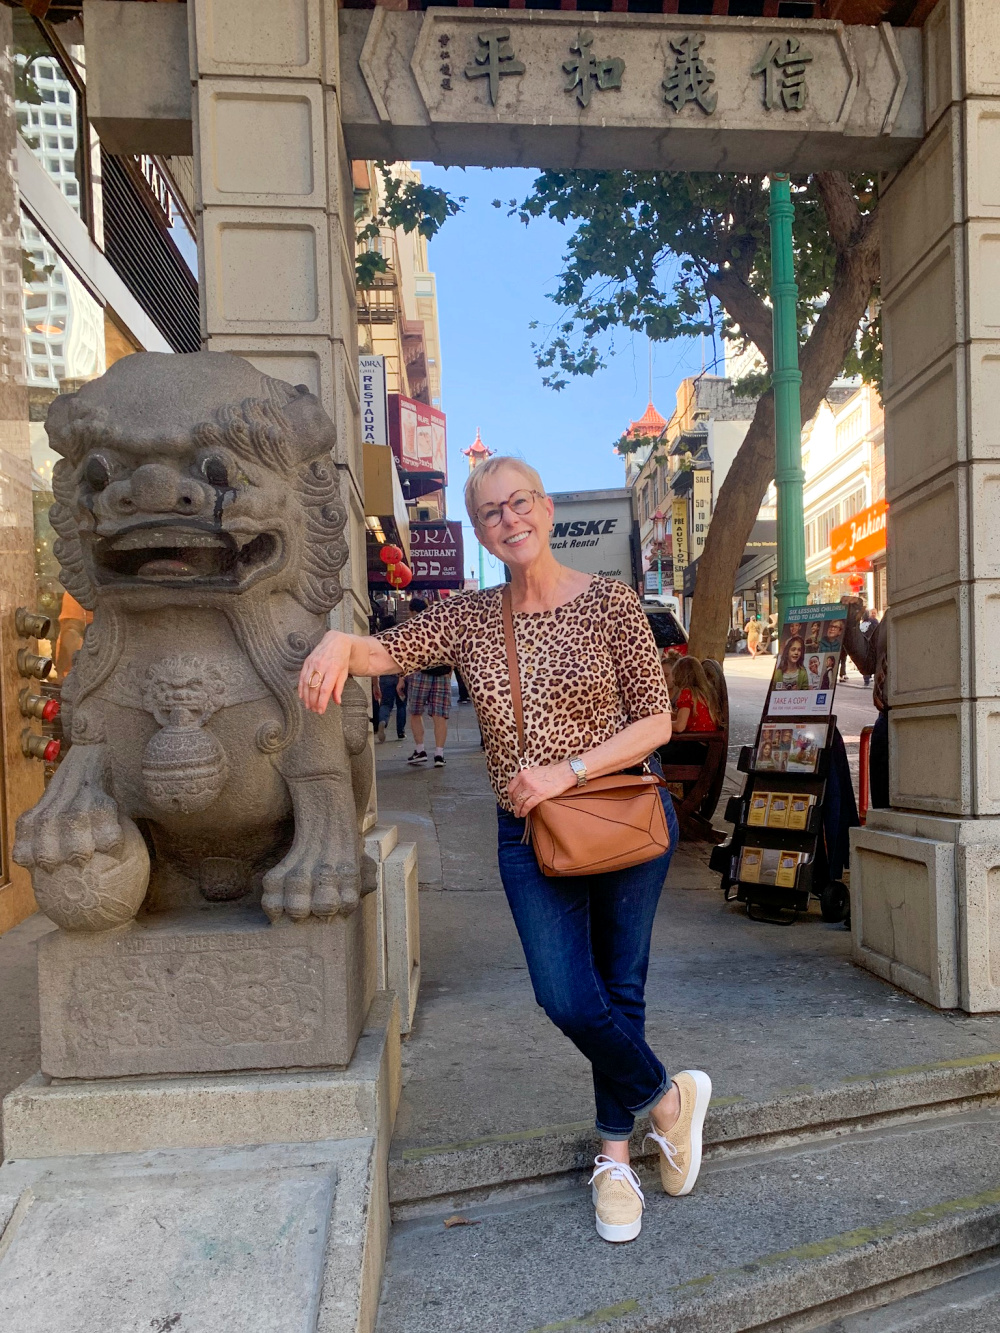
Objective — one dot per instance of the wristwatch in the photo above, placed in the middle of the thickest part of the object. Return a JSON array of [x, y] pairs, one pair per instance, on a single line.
[[580, 769]]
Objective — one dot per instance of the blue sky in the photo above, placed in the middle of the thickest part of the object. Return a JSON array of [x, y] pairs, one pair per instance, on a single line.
[[493, 274]]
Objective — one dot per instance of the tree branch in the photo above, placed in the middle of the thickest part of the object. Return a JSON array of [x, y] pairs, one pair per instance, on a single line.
[[841, 207], [744, 306]]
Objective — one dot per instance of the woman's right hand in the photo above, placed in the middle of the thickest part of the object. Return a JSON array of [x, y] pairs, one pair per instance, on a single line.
[[325, 670]]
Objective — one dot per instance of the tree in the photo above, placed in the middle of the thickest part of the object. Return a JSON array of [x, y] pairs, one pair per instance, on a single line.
[[673, 254], [407, 204]]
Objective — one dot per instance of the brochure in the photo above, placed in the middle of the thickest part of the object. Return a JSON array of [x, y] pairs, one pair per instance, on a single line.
[[777, 813], [757, 815], [765, 865], [792, 748], [798, 811], [809, 649]]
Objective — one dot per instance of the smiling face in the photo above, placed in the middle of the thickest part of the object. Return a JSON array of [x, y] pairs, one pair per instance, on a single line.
[[519, 540]]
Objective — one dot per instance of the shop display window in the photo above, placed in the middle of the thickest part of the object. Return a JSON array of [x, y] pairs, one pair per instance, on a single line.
[[68, 339]]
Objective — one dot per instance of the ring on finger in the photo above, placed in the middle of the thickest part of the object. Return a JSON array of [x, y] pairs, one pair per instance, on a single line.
[[315, 680]]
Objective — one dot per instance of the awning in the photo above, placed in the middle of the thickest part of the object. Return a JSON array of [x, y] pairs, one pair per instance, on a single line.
[[384, 496]]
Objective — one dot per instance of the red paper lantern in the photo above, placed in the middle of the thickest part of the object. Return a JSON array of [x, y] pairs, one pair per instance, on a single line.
[[390, 555], [857, 582], [399, 576]]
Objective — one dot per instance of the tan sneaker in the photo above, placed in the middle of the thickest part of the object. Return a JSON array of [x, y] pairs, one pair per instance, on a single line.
[[618, 1200], [680, 1155]]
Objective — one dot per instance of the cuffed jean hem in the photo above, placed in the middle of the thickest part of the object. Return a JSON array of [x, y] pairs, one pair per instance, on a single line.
[[619, 1135]]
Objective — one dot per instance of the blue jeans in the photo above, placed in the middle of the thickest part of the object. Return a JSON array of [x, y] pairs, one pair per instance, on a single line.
[[391, 700], [586, 941]]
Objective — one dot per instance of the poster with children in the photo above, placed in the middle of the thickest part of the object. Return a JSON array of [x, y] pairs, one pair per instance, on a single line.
[[790, 748], [805, 674]]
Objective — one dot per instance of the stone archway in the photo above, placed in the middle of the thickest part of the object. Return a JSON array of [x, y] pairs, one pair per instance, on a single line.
[[287, 93]]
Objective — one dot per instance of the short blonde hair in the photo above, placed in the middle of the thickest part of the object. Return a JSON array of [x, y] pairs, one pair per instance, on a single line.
[[486, 470]]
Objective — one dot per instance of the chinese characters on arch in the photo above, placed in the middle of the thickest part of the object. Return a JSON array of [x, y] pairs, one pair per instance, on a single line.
[[689, 75]]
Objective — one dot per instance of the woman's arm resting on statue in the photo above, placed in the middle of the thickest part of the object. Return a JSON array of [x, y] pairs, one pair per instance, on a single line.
[[336, 657], [629, 747]]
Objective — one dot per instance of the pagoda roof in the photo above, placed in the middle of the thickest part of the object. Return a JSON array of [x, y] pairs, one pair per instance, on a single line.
[[650, 423], [477, 449]]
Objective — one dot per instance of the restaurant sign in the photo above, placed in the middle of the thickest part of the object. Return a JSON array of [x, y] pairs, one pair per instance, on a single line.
[[418, 436], [436, 554], [859, 541]]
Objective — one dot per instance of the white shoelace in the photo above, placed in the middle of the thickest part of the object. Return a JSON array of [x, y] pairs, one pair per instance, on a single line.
[[665, 1146], [617, 1171]]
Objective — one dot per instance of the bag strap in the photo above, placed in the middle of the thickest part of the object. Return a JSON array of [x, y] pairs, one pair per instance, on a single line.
[[512, 669]]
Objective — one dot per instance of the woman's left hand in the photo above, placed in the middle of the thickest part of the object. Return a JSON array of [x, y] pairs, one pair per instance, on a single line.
[[532, 785]]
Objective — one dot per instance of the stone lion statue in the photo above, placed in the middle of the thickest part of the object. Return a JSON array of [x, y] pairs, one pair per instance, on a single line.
[[199, 517]]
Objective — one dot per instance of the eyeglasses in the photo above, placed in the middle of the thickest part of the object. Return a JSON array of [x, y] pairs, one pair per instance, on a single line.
[[518, 502]]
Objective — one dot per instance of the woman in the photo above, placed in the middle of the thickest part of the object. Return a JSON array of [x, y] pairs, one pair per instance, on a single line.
[[790, 674], [594, 702], [752, 628]]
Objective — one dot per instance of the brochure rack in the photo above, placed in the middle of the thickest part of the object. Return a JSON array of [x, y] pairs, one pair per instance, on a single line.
[[777, 855], [772, 865]]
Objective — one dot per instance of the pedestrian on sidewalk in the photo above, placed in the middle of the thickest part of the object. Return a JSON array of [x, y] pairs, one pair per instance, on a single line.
[[427, 692], [870, 654], [393, 696], [594, 702], [752, 628]]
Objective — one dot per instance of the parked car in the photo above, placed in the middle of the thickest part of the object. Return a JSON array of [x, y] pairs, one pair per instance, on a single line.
[[667, 629]]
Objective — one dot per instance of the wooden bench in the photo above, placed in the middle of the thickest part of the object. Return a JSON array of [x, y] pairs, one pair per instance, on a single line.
[[701, 782]]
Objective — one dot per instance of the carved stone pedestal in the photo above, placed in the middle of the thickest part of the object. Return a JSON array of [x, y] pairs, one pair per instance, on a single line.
[[206, 991]]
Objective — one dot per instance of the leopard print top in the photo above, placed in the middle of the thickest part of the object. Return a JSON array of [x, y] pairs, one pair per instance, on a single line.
[[588, 669]]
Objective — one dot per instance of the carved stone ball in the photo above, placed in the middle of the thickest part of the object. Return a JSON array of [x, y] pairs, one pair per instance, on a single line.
[[105, 891], [184, 769]]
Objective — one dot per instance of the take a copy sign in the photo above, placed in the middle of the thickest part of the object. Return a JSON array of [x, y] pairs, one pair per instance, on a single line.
[[809, 649]]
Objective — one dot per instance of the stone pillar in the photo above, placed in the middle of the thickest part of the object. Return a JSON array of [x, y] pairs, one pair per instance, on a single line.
[[926, 874], [275, 205]]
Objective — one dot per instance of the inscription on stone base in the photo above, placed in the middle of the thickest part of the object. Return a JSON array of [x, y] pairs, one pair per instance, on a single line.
[[193, 994]]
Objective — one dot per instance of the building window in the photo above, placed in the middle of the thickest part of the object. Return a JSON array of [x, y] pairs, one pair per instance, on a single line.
[[851, 428], [40, 78], [852, 505]]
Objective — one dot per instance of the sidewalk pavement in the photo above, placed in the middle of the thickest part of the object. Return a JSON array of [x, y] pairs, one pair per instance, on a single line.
[[766, 1009]]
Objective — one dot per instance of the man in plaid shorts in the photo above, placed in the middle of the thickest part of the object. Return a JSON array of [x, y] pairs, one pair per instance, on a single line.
[[427, 692]]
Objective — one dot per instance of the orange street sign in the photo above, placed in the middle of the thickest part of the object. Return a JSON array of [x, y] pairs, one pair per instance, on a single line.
[[854, 544]]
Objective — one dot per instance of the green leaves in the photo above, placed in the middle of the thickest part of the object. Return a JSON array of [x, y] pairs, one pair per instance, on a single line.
[[408, 205], [647, 244]]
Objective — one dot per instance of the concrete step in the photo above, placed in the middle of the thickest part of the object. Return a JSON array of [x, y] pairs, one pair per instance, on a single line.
[[792, 1239], [501, 1165], [969, 1304]]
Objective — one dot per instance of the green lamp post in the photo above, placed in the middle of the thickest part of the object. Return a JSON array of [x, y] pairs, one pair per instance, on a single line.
[[792, 585]]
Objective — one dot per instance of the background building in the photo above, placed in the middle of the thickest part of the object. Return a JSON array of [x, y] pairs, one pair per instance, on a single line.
[[97, 260]]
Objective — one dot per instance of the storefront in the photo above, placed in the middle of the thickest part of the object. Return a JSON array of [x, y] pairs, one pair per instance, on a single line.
[[97, 261], [858, 558]]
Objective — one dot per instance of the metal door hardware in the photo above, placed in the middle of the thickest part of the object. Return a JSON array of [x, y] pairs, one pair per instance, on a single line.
[[37, 705], [39, 747], [30, 664], [31, 624]]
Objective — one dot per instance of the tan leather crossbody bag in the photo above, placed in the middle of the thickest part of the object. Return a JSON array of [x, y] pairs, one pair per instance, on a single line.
[[611, 823]]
